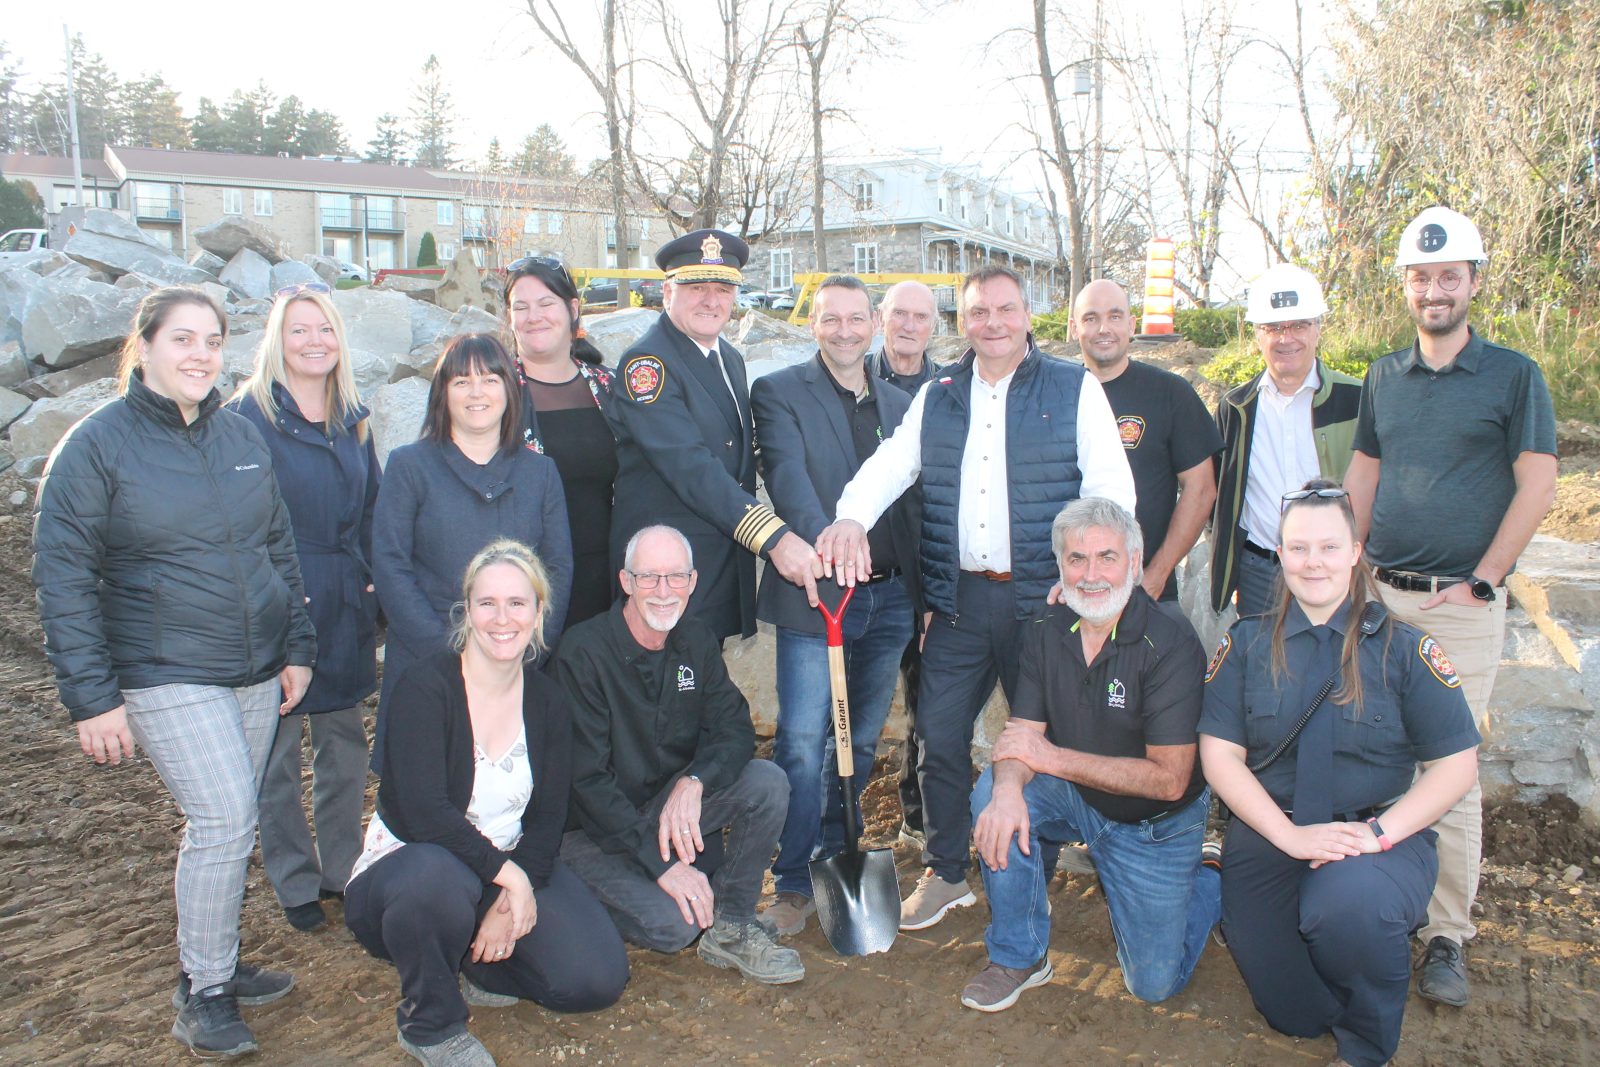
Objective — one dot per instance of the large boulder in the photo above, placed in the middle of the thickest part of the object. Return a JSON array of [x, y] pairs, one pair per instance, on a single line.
[[376, 320], [12, 405], [397, 412], [325, 267], [13, 364], [36, 432], [211, 264], [470, 319], [229, 235], [75, 320], [293, 272], [429, 323], [105, 241], [239, 354], [18, 290], [419, 362], [41, 261], [62, 382], [766, 340], [249, 274], [461, 285], [614, 333]]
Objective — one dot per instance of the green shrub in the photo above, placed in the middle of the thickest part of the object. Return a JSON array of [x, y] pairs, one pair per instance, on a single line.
[[1208, 327], [1054, 326], [427, 251]]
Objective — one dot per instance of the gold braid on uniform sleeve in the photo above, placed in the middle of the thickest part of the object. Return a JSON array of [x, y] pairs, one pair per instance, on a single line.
[[759, 525]]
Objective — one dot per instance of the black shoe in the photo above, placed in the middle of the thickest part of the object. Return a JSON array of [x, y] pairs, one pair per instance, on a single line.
[[1444, 973], [330, 894], [210, 1025], [307, 916], [252, 986]]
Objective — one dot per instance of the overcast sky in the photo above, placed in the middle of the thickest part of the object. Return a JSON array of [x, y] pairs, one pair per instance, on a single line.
[[945, 79]]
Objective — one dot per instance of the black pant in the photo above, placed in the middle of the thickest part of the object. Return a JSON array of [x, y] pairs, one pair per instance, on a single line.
[[419, 907], [964, 655], [1328, 949], [910, 791]]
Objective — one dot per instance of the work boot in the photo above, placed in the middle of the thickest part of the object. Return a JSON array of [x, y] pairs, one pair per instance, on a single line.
[[932, 897], [305, 917], [753, 949], [996, 988], [1444, 973], [787, 914], [209, 1023], [251, 986], [463, 1050]]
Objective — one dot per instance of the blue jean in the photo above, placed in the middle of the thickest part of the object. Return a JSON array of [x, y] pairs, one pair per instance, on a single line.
[[877, 627], [1163, 903]]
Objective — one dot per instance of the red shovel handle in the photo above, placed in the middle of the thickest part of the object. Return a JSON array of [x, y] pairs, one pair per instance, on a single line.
[[835, 619]]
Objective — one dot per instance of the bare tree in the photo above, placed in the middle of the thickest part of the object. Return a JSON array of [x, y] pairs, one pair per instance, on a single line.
[[1059, 154], [766, 176], [612, 82]]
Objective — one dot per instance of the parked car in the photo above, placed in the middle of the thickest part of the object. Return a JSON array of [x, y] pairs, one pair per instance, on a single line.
[[351, 272], [26, 240], [780, 300], [599, 291], [650, 292]]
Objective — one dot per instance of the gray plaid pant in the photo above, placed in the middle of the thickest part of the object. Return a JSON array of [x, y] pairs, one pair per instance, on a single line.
[[209, 744]]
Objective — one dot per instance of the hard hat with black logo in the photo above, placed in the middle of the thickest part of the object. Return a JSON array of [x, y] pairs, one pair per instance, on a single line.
[[1285, 293], [1440, 235]]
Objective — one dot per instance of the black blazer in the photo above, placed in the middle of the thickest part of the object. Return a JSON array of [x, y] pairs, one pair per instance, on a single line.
[[428, 768], [807, 458], [686, 458]]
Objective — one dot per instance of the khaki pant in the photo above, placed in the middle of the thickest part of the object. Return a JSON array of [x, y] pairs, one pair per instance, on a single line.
[[1473, 638]]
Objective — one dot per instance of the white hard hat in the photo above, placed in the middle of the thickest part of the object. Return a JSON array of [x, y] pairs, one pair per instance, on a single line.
[[1285, 293], [1440, 235]]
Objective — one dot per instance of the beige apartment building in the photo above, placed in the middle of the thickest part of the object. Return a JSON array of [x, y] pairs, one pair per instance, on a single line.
[[369, 214]]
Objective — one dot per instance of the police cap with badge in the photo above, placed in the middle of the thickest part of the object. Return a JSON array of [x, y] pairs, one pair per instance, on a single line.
[[704, 256]]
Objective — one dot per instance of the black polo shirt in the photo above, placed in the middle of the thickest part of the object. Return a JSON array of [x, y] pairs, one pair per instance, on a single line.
[[1165, 430], [641, 719], [1446, 440], [866, 433], [1142, 689], [1412, 707]]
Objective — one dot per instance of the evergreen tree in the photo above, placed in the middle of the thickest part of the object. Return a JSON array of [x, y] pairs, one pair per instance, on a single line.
[[284, 128], [495, 161], [389, 146], [11, 102], [323, 135], [149, 115], [20, 205], [544, 155], [208, 130], [433, 117], [427, 251]]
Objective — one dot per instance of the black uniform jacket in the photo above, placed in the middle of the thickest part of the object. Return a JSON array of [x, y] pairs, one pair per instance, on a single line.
[[686, 458], [807, 458], [630, 740]]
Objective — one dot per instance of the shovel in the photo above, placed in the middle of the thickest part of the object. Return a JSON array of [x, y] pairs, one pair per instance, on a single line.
[[856, 893]]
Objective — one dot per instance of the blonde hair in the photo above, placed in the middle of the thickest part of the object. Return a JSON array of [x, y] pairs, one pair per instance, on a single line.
[[525, 560], [342, 398], [152, 315]]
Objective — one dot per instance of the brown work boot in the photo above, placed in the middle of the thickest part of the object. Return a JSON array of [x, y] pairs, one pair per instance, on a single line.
[[787, 913], [932, 897], [996, 988]]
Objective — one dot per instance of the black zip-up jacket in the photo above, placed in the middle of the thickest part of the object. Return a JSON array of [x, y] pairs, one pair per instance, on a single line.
[[162, 553]]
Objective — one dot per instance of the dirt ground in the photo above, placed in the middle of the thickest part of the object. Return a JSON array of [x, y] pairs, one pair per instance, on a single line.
[[87, 957]]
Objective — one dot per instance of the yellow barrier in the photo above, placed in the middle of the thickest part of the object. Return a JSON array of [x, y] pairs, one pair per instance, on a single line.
[[1158, 274]]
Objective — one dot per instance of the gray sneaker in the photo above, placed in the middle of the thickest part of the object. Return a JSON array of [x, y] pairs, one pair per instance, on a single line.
[[932, 897], [753, 949], [787, 914], [252, 986], [463, 1050], [996, 988], [480, 997]]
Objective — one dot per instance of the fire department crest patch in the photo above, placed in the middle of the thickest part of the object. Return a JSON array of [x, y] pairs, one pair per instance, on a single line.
[[644, 376], [1219, 655], [1432, 653], [1131, 429]]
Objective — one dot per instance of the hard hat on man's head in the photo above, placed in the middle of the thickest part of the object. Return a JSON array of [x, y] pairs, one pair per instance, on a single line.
[[1440, 235], [1285, 293]]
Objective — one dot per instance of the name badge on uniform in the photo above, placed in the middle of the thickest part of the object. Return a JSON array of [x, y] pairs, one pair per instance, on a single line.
[[645, 377]]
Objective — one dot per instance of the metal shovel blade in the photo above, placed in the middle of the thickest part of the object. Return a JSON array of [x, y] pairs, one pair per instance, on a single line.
[[858, 900]]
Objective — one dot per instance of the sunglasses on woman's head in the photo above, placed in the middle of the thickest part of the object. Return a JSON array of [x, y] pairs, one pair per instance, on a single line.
[[526, 263], [1306, 494], [303, 287]]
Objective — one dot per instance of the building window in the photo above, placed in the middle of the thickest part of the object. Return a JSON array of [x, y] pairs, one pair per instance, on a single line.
[[445, 213], [338, 212], [864, 197], [157, 200], [161, 235], [782, 271], [552, 222], [531, 223], [263, 203], [941, 258], [383, 213], [233, 201], [611, 238], [941, 201], [447, 251], [644, 230], [866, 259], [474, 223]]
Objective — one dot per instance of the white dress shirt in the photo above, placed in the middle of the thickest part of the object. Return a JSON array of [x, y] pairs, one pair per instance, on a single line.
[[984, 508], [1283, 455]]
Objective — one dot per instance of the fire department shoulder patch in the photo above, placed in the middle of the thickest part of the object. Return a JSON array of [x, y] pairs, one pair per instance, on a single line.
[[1432, 653], [1219, 655], [1131, 429], [644, 377]]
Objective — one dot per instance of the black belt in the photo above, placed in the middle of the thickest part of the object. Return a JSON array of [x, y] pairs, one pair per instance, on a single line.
[[1410, 582], [1359, 815], [1256, 550], [893, 572]]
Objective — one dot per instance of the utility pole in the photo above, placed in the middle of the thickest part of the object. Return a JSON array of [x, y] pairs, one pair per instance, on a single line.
[[1095, 268], [72, 119]]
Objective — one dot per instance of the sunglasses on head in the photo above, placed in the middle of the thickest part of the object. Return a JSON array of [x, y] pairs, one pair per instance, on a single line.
[[303, 287], [1306, 494], [526, 264]]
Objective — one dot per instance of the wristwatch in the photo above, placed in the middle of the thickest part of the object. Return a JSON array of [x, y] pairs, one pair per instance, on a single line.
[[1481, 589], [1377, 831]]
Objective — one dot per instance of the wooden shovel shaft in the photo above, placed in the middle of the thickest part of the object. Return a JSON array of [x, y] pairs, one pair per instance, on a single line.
[[841, 712]]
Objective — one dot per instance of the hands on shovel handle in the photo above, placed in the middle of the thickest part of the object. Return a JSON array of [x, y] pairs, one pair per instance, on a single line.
[[845, 555]]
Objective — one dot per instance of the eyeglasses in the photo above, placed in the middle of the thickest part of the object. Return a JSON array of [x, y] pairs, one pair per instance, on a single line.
[[1449, 281], [526, 263], [1307, 494], [1276, 329], [303, 287], [648, 580]]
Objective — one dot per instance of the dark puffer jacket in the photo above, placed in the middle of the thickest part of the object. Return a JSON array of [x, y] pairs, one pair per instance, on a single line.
[[1041, 466], [163, 553]]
